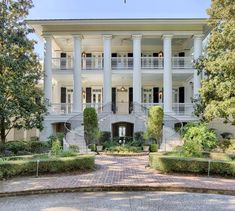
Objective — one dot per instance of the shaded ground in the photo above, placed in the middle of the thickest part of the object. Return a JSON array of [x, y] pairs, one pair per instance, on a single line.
[[119, 201], [113, 172]]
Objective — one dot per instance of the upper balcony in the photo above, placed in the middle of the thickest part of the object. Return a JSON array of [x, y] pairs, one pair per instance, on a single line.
[[125, 63]]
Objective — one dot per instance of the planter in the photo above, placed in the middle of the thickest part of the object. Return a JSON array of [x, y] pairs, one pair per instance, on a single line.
[[99, 148], [146, 148]]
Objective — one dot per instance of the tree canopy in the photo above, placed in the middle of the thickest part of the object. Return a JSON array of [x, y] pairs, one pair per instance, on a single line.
[[217, 95], [20, 71]]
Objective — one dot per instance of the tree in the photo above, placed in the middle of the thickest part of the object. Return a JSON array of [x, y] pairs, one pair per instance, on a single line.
[[20, 71], [155, 123], [217, 95]]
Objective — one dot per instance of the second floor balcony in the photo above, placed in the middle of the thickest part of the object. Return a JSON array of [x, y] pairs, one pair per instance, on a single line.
[[124, 63]]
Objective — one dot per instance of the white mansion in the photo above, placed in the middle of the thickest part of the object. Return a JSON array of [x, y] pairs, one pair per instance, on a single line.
[[117, 63]]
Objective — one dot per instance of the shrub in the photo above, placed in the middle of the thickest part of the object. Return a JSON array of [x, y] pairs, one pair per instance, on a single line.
[[110, 143], [56, 147], [74, 148], [153, 147], [90, 124], [92, 147], [224, 144], [57, 136], [139, 138], [198, 138], [105, 136], [39, 146], [55, 165], [16, 146], [155, 123], [166, 163]]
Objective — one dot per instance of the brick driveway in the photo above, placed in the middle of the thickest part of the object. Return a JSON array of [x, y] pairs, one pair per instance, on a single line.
[[116, 172]]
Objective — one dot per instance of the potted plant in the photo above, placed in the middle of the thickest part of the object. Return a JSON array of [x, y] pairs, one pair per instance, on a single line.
[[96, 136], [146, 145]]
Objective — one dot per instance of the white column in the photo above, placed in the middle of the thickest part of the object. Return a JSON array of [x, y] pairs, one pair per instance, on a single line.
[[48, 71], [77, 82], [107, 75], [137, 68], [167, 75], [196, 54]]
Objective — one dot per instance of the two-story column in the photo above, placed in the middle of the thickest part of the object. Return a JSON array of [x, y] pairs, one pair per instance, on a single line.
[[48, 71], [107, 75], [167, 75], [137, 83], [196, 54], [77, 74]]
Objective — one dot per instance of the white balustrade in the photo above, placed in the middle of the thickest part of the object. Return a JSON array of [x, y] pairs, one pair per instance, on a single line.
[[182, 62], [122, 63], [152, 62], [61, 108], [92, 63], [62, 63], [183, 109]]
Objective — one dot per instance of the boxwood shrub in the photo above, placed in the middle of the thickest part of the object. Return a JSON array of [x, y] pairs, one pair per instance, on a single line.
[[166, 163], [52, 165]]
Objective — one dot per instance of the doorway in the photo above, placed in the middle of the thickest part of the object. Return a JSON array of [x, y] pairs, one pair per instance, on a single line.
[[122, 129]]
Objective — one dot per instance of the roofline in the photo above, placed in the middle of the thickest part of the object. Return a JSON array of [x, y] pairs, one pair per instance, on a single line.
[[113, 19]]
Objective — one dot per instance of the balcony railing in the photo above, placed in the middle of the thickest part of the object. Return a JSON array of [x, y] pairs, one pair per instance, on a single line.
[[122, 63], [152, 62], [183, 108], [182, 62], [62, 63], [61, 108], [92, 63]]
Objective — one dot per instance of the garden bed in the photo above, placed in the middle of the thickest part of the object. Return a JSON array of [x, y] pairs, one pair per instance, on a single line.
[[125, 153], [169, 163], [27, 165]]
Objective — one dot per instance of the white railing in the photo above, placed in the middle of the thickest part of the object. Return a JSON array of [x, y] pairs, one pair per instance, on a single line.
[[92, 63], [98, 106], [122, 63], [62, 63], [152, 62], [61, 108], [147, 105], [183, 108], [182, 62]]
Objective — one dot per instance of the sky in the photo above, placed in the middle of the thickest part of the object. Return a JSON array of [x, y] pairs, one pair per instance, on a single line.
[[72, 9]]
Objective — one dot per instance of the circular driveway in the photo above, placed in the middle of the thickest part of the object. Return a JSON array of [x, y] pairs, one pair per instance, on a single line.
[[119, 201]]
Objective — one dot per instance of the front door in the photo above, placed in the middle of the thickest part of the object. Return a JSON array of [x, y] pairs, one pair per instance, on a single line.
[[122, 130], [97, 98], [122, 100]]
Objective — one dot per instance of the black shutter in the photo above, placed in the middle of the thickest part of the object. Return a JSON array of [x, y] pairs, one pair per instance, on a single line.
[[155, 95], [130, 99], [181, 54], [181, 95], [88, 95], [63, 61], [63, 95], [114, 100]]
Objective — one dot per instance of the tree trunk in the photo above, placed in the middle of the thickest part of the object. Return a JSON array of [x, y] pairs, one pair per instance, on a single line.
[[3, 131]]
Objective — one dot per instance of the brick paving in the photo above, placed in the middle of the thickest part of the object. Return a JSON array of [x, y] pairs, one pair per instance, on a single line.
[[114, 171]]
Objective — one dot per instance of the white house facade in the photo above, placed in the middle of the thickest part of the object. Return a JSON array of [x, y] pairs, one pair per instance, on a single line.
[[119, 66]]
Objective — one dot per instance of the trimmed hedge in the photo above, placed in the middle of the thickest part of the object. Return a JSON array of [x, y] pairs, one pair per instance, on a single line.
[[53, 165], [166, 163]]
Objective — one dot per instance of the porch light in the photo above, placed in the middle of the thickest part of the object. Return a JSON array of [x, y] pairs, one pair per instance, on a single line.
[[123, 89]]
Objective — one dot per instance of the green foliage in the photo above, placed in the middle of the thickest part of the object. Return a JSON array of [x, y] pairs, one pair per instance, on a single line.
[[166, 163], [155, 123], [153, 148], [105, 136], [20, 71], [56, 148], [198, 138], [74, 148], [139, 138], [51, 165], [224, 144], [90, 125], [124, 149], [92, 147], [57, 136], [217, 92], [110, 143], [23, 147]]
